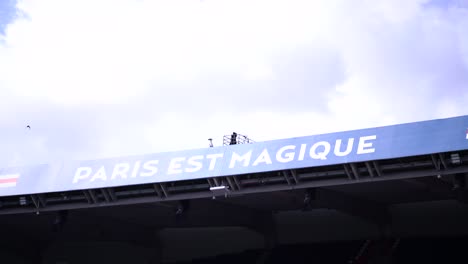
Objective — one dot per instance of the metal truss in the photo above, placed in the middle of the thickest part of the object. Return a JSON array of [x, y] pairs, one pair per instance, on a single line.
[[238, 139], [452, 166]]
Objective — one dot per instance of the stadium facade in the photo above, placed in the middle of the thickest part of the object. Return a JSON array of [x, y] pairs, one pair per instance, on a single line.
[[392, 183]]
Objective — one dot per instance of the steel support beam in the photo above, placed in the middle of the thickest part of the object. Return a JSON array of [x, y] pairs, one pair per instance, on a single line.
[[112, 194], [435, 162], [157, 189], [42, 200], [216, 181], [442, 160], [369, 169], [347, 171], [238, 182], [209, 182], [106, 195], [355, 170], [285, 175], [231, 183], [164, 189], [87, 197], [93, 196], [295, 176], [308, 180], [377, 168], [35, 201]]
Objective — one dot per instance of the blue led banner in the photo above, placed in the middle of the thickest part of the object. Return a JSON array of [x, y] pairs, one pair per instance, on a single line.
[[388, 142]]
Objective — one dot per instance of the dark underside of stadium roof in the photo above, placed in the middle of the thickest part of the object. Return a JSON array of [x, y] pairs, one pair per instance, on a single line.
[[407, 210]]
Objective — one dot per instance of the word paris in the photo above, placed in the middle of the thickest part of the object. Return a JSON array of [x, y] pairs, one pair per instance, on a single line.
[[229, 160]]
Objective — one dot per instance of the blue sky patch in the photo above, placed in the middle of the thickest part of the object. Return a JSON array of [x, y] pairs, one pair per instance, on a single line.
[[7, 13], [445, 4]]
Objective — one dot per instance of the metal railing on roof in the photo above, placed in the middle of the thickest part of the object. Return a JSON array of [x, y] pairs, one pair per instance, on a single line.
[[235, 139]]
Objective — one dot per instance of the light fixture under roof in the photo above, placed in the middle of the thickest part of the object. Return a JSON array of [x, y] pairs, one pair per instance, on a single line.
[[23, 201], [455, 158], [219, 191]]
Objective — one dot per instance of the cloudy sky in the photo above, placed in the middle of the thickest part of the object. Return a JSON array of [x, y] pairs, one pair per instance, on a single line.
[[106, 78]]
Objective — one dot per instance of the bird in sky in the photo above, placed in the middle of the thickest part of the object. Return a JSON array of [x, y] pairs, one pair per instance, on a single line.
[[28, 127]]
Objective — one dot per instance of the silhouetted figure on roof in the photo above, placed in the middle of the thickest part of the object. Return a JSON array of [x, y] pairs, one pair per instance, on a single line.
[[233, 139]]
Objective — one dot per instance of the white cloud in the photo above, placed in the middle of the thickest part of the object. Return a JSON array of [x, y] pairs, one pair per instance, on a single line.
[[110, 78]]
